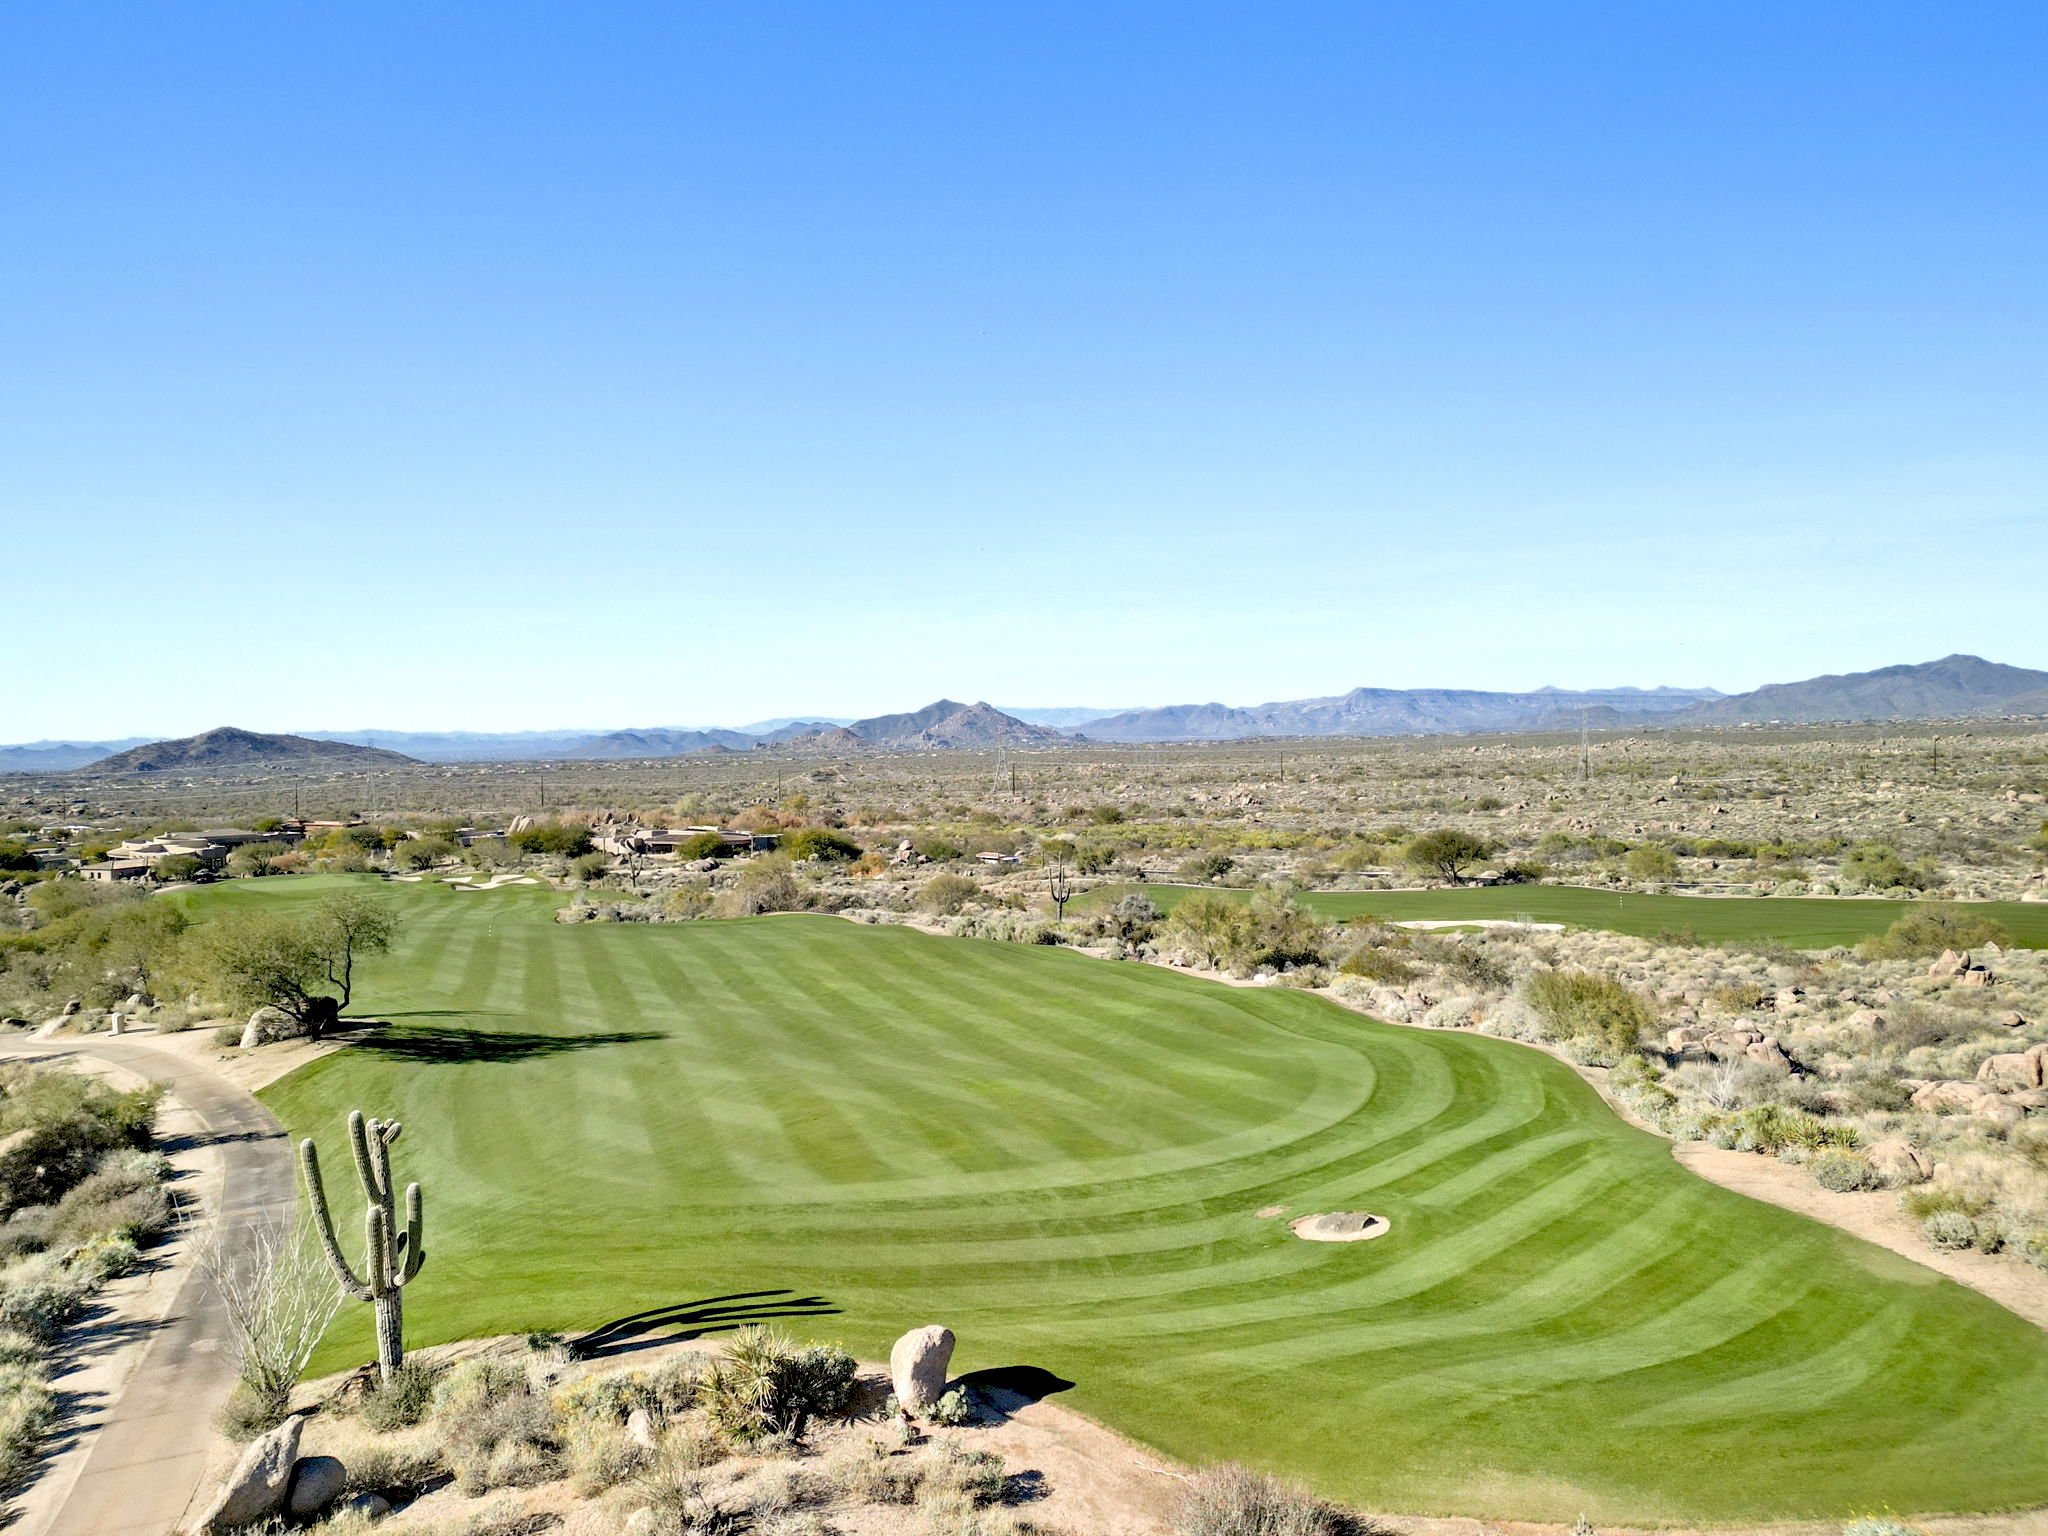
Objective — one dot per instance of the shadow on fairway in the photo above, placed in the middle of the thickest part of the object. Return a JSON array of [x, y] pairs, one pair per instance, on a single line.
[[694, 1319], [1031, 1382], [452, 1045]]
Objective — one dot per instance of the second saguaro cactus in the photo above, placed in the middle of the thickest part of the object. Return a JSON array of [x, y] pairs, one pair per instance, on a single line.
[[392, 1255]]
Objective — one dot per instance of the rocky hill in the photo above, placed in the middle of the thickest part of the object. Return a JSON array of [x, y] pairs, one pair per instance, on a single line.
[[1951, 688], [944, 724], [1399, 712], [230, 748]]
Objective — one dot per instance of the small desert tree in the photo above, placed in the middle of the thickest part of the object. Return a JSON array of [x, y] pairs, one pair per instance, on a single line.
[[255, 859], [254, 959], [348, 924], [279, 1296], [1445, 853]]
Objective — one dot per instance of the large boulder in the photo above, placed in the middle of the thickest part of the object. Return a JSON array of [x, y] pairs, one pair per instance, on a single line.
[[1950, 964], [317, 1481], [267, 1025], [1899, 1163], [918, 1365], [2016, 1069], [1770, 1053], [1968, 1098], [256, 1489]]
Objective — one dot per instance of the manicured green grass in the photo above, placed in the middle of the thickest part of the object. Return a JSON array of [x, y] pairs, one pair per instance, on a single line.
[[1061, 1158], [1804, 922]]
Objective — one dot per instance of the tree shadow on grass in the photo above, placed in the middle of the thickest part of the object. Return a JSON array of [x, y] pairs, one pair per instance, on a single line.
[[492, 1045], [694, 1319]]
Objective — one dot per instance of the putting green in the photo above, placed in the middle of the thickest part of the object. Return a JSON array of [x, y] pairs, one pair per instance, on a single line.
[[1805, 922], [865, 1129]]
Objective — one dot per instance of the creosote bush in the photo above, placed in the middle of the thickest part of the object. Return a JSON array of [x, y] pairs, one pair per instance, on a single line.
[[1580, 1005], [1229, 1500]]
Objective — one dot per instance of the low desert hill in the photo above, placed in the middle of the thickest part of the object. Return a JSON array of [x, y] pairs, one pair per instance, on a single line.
[[1948, 689], [228, 748], [944, 724]]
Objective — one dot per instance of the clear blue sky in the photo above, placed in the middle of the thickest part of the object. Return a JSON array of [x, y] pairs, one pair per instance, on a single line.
[[511, 365]]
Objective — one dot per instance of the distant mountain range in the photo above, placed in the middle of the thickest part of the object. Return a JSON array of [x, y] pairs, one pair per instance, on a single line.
[[1951, 688], [1399, 712], [1955, 687], [228, 747]]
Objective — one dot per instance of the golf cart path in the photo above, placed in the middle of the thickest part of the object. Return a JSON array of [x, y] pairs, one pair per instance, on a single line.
[[133, 1456]]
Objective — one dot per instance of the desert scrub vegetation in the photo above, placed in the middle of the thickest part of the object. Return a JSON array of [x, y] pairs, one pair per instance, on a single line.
[[81, 1189], [1229, 1500], [689, 1445]]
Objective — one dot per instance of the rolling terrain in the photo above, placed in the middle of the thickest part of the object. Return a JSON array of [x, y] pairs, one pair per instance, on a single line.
[[859, 1129]]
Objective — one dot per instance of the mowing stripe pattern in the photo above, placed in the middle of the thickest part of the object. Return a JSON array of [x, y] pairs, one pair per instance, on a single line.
[[858, 1130]]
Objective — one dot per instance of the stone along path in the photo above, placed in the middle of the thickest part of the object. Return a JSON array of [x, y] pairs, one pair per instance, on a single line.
[[131, 1462]]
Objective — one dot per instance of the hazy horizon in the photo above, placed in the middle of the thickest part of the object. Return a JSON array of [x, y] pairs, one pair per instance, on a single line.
[[476, 368]]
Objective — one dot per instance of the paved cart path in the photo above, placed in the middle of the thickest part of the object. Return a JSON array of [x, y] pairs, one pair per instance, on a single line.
[[131, 1462]]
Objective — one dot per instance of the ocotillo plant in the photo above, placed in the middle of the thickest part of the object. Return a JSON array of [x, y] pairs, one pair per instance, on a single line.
[[391, 1257]]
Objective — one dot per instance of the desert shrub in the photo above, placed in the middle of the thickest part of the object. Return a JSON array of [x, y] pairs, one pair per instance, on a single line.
[[1464, 964], [1949, 1229], [953, 1408], [1524, 872], [1204, 867], [875, 1477], [666, 1392], [498, 1434], [403, 1400], [1930, 929], [766, 885], [975, 1475], [589, 867], [1134, 917], [564, 838], [1378, 962], [1583, 1005], [123, 1197], [249, 1412], [599, 1454], [71, 1122], [1212, 930], [1841, 1171], [947, 894], [27, 1408], [1229, 1500], [39, 1296], [820, 843], [1651, 861], [765, 1385], [1879, 867]]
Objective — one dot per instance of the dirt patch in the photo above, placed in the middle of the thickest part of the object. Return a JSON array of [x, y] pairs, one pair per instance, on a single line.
[[1268, 1212]]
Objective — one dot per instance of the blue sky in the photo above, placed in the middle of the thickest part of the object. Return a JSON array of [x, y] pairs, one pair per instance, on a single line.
[[505, 366]]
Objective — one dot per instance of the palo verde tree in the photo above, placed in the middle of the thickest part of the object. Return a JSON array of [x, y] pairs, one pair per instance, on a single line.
[[295, 964], [1446, 853], [392, 1257]]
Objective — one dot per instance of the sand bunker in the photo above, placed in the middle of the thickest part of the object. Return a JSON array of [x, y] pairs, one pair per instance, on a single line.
[[1339, 1227]]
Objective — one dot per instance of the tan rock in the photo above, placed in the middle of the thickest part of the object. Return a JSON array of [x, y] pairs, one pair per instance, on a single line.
[[918, 1364]]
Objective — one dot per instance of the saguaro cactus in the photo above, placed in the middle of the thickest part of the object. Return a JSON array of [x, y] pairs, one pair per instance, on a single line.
[[392, 1257]]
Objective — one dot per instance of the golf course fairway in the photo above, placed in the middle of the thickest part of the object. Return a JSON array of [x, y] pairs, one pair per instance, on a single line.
[[1804, 922], [864, 1129]]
